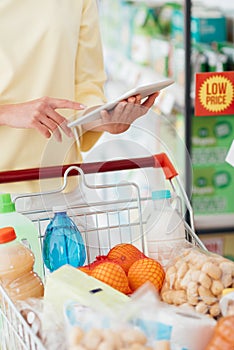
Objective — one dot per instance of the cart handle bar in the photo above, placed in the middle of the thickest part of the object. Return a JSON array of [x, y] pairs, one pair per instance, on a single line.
[[156, 161]]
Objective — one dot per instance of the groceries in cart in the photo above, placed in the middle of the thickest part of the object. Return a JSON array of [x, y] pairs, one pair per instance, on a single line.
[[153, 285], [126, 268], [140, 322]]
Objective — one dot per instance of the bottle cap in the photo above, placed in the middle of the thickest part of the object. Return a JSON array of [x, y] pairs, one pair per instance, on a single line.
[[59, 209], [6, 204], [163, 194], [7, 234]]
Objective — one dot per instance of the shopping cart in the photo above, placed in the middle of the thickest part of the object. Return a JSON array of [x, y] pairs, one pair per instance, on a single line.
[[119, 218]]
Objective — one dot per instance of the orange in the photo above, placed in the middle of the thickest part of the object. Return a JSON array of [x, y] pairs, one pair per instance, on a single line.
[[125, 254], [89, 267], [146, 270], [112, 274]]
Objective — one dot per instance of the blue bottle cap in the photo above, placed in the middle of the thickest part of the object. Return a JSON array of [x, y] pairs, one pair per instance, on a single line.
[[163, 194]]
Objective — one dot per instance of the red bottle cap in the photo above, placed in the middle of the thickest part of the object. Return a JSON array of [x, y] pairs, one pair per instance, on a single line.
[[7, 234]]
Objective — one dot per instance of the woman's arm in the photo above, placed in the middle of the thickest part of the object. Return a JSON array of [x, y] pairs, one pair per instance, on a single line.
[[39, 114]]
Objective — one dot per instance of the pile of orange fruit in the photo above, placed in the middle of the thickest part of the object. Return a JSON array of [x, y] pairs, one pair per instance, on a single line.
[[126, 268]]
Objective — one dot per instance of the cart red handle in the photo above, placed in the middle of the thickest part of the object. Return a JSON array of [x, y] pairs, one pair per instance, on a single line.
[[160, 160]]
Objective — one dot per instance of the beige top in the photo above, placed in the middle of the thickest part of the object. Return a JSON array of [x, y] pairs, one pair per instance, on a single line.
[[48, 48]]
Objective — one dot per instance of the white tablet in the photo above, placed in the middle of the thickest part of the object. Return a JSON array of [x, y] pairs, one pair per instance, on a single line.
[[144, 90]]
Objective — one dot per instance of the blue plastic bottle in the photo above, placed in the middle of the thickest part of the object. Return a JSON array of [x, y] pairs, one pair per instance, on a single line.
[[62, 243]]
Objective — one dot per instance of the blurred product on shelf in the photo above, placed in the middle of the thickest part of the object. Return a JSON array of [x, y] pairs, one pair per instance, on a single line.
[[16, 268], [152, 36], [213, 178], [62, 242], [207, 25]]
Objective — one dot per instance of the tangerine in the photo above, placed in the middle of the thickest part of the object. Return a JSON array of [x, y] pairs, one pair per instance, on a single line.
[[146, 270], [113, 275], [125, 254], [89, 267]]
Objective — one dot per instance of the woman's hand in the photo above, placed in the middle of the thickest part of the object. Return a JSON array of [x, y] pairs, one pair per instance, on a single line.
[[39, 114], [123, 115]]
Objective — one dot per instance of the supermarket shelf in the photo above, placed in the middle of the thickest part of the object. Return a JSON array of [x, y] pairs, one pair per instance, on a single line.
[[154, 2], [224, 5], [212, 225], [119, 67]]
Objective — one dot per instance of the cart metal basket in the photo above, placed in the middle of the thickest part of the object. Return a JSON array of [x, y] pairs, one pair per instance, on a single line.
[[119, 219]]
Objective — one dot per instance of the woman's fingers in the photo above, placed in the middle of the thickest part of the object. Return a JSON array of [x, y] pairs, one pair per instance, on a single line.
[[135, 99], [60, 121], [49, 127], [52, 120], [63, 103], [148, 103]]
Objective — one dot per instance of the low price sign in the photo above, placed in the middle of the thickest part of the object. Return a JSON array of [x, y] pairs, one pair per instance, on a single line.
[[214, 94]]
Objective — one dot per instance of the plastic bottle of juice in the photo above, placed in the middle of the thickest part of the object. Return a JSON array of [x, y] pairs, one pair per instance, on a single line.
[[62, 243], [16, 268], [26, 231], [165, 229]]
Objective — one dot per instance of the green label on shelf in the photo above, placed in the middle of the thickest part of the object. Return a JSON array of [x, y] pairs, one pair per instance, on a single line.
[[213, 178]]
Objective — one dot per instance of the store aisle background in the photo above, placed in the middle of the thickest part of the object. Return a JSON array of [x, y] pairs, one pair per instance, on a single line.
[[162, 129]]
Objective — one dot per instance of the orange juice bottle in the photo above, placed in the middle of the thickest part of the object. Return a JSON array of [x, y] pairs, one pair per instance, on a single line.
[[25, 229], [16, 268]]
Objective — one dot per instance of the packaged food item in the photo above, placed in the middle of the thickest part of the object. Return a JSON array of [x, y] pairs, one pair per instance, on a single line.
[[62, 242], [227, 302], [44, 322], [69, 283], [89, 329], [207, 25], [31, 310], [16, 268], [108, 339], [197, 278], [182, 327]]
